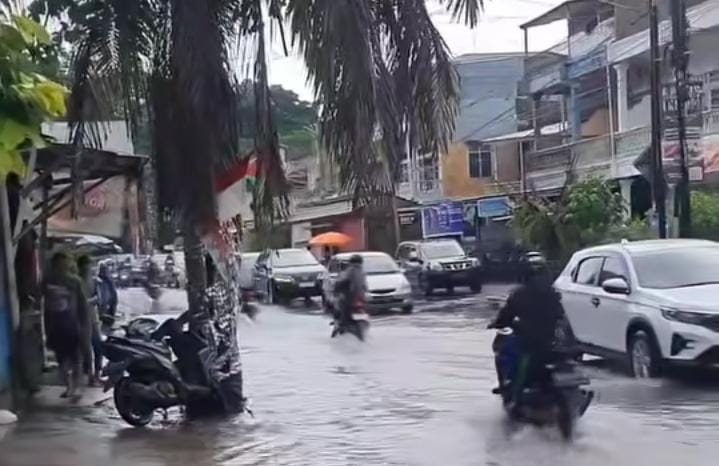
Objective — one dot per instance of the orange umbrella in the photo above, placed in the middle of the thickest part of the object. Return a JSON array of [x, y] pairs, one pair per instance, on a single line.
[[331, 239]]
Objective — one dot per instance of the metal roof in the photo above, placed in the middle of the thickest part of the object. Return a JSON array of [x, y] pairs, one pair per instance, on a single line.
[[559, 12]]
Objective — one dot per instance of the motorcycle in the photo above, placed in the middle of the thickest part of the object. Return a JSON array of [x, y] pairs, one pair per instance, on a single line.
[[123, 278], [145, 377], [357, 324], [552, 394]]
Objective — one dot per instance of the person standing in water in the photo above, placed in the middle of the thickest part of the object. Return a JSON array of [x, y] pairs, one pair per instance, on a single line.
[[91, 342], [66, 320]]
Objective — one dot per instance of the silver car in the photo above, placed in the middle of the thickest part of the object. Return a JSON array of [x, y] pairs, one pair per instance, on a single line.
[[387, 286]]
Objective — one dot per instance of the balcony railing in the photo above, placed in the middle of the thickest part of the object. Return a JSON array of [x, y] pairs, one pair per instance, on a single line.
[[578, 155]]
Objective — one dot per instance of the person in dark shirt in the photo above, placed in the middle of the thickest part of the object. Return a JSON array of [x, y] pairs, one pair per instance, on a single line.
[[67, 319], [533, 311]]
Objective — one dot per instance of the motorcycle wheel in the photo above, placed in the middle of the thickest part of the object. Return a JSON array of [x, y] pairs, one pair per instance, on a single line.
[[565, 416], [131, 414]]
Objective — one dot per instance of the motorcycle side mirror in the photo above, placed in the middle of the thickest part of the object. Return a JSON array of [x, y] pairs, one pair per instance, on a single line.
[[616, 286]]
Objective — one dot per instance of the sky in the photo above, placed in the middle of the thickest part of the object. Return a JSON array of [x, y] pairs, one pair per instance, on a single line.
[[498, 31]]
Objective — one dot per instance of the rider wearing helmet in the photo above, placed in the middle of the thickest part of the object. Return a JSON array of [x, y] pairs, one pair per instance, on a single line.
[[533, 312], [350, 287]]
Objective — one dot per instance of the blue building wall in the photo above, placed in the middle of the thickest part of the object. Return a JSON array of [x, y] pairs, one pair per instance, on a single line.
[[488, 97]]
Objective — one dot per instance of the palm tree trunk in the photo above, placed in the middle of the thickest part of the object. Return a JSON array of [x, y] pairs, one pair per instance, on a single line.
[[194, 266]]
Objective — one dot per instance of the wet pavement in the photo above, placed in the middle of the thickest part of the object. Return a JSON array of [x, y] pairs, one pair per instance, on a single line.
[[416, 393]]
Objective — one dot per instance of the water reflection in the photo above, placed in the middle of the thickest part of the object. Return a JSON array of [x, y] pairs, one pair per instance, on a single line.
[[417, 393]]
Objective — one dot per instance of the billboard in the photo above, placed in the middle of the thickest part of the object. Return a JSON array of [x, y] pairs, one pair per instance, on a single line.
[[446, 219], [102, 211], [694, 122], [494, 207]]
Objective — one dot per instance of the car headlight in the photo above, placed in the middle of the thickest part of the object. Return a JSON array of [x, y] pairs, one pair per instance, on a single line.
[[434, 266], [283, 279], [684, 317], [475, 262]]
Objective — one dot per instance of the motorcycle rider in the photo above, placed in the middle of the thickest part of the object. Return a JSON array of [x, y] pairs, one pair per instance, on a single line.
[[350, 287], [533, 311]]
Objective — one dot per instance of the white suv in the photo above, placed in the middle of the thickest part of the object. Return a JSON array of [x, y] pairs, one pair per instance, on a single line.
[[654, 302]]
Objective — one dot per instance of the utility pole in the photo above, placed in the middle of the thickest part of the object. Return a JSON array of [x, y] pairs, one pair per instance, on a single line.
[[659, 187], [679, 63]]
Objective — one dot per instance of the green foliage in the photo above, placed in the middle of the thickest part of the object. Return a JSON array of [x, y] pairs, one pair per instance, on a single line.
[[27, 97], [705, 215], [295, 119], [589, 212]]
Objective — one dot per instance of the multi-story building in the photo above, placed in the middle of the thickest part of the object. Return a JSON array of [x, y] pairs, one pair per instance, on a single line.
[[602, 77], [488, 106]]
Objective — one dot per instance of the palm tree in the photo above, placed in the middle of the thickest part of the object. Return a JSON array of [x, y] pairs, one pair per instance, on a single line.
[[380, 71]]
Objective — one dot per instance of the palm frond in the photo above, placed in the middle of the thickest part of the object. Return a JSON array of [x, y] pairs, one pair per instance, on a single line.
[[270, 201], [384, 80], [465, 10]]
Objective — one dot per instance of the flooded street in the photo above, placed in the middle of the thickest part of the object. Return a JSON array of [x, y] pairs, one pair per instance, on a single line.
[[416, 393]]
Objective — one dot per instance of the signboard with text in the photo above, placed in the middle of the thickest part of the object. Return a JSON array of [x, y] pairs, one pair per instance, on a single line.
[[446, 219], [694, 122], [494, 207]]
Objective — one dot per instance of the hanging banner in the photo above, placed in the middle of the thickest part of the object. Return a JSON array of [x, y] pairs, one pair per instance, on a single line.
[[446, 219], [694, 123]]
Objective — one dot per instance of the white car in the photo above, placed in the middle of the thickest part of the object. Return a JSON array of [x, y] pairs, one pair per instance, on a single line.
[[387, 286], [652, 302]]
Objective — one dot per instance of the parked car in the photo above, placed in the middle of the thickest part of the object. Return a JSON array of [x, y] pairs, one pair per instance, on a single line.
[[387, 287], [285, 274], [441, 263], [651, 302]]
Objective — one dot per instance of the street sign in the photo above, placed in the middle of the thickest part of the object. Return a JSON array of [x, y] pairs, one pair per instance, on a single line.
[[446, 219], [494, 207], [694, 122]]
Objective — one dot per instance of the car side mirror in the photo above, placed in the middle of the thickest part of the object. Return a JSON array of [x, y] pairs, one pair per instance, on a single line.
[[616, 286]]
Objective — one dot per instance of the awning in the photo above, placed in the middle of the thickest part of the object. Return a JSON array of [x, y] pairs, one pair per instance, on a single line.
[[559, 12], [700, 17], [548, 130]]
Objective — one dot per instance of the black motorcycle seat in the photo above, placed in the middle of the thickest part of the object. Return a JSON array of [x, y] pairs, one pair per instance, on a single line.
[[149, 345]]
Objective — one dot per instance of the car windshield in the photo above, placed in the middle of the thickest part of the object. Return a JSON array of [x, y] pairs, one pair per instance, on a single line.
[[678, 268], [293, 258], [442, 249], [379, 265]]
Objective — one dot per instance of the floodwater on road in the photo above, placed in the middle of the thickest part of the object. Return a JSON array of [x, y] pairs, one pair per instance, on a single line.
[[416, 393]]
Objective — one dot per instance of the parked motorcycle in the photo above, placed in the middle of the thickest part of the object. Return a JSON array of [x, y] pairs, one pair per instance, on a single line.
[[357, 324], [145, 377], [551, 395]]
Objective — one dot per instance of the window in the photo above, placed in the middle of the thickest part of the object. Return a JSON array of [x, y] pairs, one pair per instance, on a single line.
[[677, 268], [613, 268], [712, 90], [480, 161], [588, 271]]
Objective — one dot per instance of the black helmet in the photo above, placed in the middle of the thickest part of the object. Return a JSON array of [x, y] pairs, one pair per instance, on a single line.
[[356, 259]]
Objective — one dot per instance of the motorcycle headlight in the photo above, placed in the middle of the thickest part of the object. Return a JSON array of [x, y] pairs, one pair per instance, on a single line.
[[684, 317], [435, 266], [283, 279]]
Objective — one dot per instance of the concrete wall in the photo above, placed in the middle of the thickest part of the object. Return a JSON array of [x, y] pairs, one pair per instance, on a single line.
[[456, 181], [488, 93], [597, 124]]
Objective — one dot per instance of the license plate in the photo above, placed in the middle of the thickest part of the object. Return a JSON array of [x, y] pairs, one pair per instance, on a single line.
[[307, 285], [360, 316]]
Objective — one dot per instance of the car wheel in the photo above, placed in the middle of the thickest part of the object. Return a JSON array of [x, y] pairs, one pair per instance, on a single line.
[[407, 309], [644, 356], [476, 287], [450, 290]]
